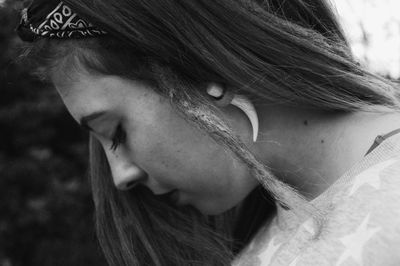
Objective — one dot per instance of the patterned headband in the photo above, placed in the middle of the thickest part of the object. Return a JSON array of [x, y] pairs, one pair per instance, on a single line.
[[54, 19]]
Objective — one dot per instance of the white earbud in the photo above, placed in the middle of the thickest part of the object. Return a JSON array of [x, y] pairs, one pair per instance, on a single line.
[[225, 97]]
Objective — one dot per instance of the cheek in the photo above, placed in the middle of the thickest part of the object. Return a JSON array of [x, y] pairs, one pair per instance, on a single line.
[[191, 156], [177, 155], [178, 151]]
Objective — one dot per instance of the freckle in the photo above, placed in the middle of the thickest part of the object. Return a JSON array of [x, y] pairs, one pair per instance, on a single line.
[[305, 122], [322, 141]]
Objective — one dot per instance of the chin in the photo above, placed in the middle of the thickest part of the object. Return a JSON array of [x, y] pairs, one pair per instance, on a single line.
[[213, 208]]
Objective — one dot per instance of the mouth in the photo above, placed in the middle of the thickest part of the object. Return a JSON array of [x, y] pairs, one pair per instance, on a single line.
[[172, 196]]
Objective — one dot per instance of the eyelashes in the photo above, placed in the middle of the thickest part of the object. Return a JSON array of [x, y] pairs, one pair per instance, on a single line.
[[118, 138]]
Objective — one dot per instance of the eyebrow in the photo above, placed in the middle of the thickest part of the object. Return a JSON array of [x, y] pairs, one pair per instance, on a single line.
[[85, 120]]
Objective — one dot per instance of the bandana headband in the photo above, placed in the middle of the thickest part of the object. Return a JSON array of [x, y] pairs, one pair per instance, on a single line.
[[56, 20]]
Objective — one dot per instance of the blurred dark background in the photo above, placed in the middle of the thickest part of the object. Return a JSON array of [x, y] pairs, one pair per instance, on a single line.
[[46, 210]]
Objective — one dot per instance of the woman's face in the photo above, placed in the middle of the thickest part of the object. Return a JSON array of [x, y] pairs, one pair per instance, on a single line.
[[156, 147]]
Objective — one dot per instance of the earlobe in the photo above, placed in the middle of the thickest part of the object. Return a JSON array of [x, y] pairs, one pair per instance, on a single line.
[[224, 97]]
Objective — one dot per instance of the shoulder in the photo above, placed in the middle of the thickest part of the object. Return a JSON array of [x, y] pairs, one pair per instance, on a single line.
[[365, 225], [362, 226]]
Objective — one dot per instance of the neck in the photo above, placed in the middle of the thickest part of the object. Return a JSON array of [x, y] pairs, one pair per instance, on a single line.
[[310, 149]]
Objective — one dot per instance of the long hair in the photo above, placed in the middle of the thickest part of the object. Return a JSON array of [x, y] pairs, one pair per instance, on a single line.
[[287, 52]]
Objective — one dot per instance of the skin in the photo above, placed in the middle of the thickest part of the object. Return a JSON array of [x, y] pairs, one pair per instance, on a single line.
[[310, 149], [307, 148], [162, 150]]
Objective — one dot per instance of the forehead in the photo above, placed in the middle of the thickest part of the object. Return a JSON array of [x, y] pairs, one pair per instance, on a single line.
[[84, 93]]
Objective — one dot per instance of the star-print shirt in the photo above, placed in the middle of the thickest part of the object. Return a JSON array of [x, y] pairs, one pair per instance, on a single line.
[[362, 224]]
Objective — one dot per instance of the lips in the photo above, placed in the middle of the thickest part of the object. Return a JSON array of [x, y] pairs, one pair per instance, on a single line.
[[172, 196]]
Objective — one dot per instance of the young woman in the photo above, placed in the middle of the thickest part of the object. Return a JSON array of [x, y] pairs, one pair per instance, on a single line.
[[226, 132]]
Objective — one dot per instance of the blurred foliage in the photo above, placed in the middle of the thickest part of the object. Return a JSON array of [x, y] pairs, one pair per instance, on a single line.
[[46, 210]]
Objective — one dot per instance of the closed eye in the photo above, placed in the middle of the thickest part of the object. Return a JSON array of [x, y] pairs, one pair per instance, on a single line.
[[119, 137]]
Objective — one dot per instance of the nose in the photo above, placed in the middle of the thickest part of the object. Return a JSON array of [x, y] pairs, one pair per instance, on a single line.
[[125, 173]]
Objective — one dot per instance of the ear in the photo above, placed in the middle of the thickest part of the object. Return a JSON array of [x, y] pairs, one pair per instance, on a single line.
[[224, 97]]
